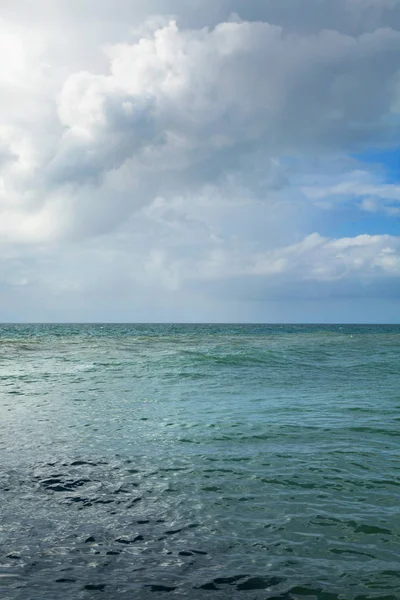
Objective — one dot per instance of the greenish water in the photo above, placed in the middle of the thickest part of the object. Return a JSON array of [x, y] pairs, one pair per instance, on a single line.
[[199, 461]]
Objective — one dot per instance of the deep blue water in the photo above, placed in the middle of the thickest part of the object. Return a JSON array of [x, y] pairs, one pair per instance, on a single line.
[[198, 461]]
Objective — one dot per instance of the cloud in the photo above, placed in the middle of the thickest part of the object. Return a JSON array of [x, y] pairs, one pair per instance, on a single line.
[[198, 152], [314, 258], [369, 189], [176, 100], [208, 90], [200, 278]]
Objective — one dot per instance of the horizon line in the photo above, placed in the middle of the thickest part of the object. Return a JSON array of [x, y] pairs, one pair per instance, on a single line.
[[193, 323]]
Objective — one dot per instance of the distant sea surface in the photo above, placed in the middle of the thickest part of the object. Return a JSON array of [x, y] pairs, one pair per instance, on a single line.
[[199, 461]]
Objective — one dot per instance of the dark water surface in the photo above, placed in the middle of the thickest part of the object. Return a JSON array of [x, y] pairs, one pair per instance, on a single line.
[[145, 461]]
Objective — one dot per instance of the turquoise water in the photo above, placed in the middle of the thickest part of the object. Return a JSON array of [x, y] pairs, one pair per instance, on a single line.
[[199, 461]]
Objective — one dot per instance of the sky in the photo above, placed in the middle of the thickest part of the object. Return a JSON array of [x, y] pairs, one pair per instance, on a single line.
[[200, 161]]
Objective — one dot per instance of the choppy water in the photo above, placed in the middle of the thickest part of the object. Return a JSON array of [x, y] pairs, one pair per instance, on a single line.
[[200, 461]]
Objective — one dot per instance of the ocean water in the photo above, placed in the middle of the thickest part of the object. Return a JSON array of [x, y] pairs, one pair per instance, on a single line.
[[199, 461]]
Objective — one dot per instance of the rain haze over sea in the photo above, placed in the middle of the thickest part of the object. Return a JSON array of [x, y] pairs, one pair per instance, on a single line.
[[197, 461]]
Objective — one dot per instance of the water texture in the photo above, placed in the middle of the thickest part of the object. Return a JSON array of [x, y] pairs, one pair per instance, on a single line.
[[198, 461]]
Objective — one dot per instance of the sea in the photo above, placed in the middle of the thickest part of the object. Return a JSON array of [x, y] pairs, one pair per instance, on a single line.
[[199, 461]]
